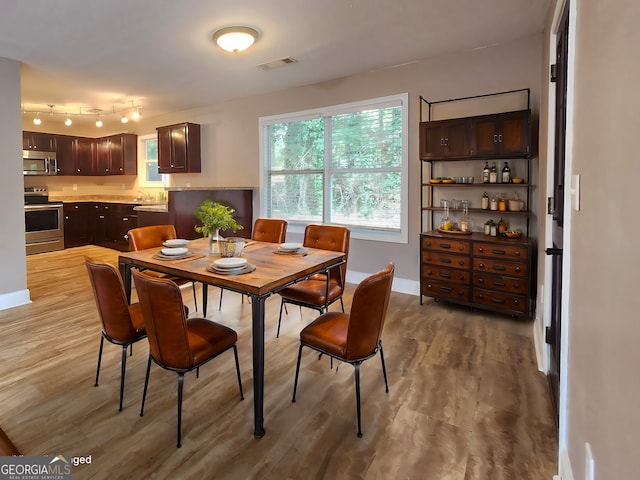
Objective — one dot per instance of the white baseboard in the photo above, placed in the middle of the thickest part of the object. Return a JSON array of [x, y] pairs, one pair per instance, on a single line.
[[14, 299], [400, 285], [540, 345]]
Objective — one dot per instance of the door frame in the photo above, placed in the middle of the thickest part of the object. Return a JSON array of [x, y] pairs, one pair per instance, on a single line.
[[564, 466]]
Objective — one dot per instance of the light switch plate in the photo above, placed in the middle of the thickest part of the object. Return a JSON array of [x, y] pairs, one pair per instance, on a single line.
[[575, 192]]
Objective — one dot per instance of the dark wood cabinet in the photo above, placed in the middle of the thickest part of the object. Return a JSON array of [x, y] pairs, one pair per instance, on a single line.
[[502, 135], [84, 156], [98, 223], [492, 273], [445, 138], [45, 142], [117, 155], [79, 223], [179, 148], [64, 155]]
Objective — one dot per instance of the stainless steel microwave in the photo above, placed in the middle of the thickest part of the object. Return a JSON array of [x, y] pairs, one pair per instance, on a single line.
[[36, 162]]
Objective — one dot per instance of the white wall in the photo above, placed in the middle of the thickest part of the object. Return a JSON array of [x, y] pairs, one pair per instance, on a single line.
[[13, 281], [602, 329]]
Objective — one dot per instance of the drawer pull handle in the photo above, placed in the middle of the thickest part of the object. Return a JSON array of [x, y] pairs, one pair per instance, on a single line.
[[461, 277], [499, 284], [445, 245], [445, 275], [480, 249], [125, 219], [499, 267], [445, 260], [461, 263], [428, 244], [497, 300], [481, 280], [461, 248], [517, 269], [480, 296], [481, 265], [516, 285], [429, 272], [517, 253], [445, 289], [498, 252], [516, 302]]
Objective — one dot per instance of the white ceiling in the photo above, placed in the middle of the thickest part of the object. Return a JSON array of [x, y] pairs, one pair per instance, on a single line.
[[110, 54]]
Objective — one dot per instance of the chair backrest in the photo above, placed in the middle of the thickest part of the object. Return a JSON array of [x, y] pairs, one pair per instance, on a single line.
[[111, 301], [149, 237], [368, 312], [165, 320], [269, 230], [330, 237]]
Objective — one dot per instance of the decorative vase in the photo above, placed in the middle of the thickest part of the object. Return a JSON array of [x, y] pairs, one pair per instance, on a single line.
[[214, 237]]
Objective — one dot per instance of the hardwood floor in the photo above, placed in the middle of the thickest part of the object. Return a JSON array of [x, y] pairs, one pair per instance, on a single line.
[[466, 401]]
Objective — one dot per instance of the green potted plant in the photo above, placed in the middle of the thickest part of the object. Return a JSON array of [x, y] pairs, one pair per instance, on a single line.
[[215, 217]]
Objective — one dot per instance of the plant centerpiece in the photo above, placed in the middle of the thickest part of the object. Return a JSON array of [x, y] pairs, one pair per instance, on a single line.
[[215, 217]]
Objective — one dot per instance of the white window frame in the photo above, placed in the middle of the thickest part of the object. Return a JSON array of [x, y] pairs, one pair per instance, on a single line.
[[142, 167], [395, 236]]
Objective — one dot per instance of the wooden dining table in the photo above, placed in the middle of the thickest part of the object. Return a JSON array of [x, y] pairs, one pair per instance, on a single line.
[[274, 271]]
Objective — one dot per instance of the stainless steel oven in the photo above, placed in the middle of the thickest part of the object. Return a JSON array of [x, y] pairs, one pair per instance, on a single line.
[[44, 221]]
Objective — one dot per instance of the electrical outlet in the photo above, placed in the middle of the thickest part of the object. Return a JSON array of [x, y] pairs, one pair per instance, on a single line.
[[75, 187], [575, 192], [188, 185], [589, 463]]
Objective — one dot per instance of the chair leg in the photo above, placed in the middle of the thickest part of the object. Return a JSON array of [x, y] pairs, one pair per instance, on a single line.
[[235, 354], [180, 385], [220, 305], [341, 304], [123, 369], [205, 295], [99, 359], [295, 382], [280, 318], [146, 384], [195, 299], [357, 373], [384, 369]]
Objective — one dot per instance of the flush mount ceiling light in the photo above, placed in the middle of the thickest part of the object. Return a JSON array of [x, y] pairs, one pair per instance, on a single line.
[[235, 39]]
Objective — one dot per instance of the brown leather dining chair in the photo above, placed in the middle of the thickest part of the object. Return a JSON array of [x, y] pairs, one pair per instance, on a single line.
[[154, 236], [271, 230], [320, 290], [353, 337], [122, 323], [177, 343]]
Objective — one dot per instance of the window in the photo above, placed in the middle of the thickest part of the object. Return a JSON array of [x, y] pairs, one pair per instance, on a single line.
[[345, 165], [148, 163]]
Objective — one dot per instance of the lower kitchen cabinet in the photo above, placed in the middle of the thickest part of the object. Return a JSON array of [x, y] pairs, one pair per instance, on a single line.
[[493, 273], [98, 223]]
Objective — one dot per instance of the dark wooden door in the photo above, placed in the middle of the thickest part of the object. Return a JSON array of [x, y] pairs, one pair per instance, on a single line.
[[554, 330]]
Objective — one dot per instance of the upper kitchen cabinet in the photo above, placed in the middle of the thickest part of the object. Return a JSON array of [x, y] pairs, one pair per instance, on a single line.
[[84, 156], [445, 138], [502, 135], [116, 155], [179, 148], [44, 142]]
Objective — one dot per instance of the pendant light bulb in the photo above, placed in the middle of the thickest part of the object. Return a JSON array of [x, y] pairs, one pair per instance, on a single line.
[[37, 120], [68, 122], [98, 122], [136, 114], [124, 119]]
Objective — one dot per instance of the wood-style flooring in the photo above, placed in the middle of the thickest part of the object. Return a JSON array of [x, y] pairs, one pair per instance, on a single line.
[[466, 401]]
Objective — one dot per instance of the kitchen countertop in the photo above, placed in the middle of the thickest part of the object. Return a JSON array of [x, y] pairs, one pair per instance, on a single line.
[[106, 199], [161, 207]]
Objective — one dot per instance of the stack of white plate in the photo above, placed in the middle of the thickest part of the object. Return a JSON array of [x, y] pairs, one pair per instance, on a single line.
[[290, 247], [176, 243], [230, 264]]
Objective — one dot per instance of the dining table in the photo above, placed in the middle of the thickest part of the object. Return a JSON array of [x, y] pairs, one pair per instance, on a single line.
[[274, 270]]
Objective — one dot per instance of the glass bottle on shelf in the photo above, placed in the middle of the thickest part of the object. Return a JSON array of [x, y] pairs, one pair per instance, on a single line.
[[506, 173], [464, 218], [502, 227], [493, 174], [485, 173], [485, 201]]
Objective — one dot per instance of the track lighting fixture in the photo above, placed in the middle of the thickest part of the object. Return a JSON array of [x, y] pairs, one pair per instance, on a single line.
[[132, 112]]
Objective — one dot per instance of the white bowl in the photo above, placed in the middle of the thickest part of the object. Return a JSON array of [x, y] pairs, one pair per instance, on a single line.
[[176, 242], [290, 246], [230, 262], [174, 251]]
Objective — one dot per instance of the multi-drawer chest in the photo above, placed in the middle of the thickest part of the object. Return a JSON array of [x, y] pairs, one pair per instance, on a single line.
[[480, 271]]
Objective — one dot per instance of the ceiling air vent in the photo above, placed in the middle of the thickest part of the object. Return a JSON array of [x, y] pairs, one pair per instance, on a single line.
[[277, 63]]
